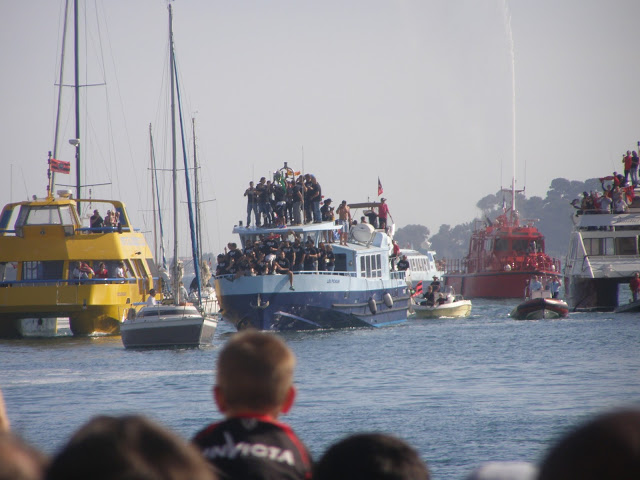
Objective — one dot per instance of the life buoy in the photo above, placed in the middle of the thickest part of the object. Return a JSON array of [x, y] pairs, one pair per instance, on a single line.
[[388, 301], [373, 306]]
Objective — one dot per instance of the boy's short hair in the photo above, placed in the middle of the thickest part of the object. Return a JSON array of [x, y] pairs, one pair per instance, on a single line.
[[371, 456], [255, 371]]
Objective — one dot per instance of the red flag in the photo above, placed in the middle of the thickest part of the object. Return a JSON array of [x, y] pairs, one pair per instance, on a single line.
[[59, 166], [379, 187]]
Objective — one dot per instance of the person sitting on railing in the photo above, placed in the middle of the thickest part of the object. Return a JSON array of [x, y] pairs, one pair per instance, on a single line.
[[283, 267]]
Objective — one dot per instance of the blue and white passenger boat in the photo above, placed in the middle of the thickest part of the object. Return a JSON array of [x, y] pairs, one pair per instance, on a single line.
[[362, 291]]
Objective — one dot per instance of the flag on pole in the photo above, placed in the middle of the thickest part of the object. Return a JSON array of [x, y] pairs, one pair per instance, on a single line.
[[379, 187], [59, 166]]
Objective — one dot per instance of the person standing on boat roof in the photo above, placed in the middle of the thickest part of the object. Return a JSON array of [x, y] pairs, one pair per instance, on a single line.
[[634, 168], [634, 286], [627, 160], [344, 219], [252, 204], [298, 200], [383, 213]]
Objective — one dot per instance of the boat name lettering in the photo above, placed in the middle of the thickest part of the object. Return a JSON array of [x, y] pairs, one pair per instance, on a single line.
[[333, 280], [132, 241]]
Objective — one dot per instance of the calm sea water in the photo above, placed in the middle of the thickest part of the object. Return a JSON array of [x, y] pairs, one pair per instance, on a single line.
[[461, 391]]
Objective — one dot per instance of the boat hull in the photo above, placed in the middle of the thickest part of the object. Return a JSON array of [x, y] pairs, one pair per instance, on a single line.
[[457, 309], [92, 307], [175, 330], [493, 284], [320, 301], [539, 308]]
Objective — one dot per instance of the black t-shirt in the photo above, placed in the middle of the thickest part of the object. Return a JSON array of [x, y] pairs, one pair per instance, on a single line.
[[310, 257], [254, 448], [222, 267], [283, 262], [402, 265]]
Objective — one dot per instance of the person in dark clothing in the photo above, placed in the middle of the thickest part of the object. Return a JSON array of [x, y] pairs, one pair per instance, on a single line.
[[254, 385]]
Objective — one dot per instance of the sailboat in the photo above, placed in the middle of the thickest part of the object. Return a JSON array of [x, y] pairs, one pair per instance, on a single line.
[[46, 241], [178, 324]]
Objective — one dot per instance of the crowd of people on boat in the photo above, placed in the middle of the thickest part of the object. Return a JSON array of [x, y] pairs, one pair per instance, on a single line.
[[110, 221], [296, 200], [83, 271], [253, 389], [287, 200], [618, 192], [271, 255]]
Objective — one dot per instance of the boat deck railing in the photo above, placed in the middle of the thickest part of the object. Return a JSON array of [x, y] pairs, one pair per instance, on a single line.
[[65, 282], [539, 261], [393, 275]]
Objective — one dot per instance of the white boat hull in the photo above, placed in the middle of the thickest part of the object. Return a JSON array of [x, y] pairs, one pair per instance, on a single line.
[[461, 308], [168, 326]]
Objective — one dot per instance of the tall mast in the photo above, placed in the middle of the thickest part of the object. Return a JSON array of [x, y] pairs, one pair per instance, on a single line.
[[153, 197], [60, 85], [77, 93], [197, 195], [176, 280]]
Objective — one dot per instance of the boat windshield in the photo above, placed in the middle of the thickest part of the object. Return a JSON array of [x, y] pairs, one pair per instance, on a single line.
[[45, 215]]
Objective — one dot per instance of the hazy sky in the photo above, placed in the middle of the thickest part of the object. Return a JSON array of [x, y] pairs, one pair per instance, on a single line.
[[418, 93]]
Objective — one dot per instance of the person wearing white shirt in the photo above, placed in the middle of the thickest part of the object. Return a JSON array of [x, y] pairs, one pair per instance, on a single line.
[[151, 299]]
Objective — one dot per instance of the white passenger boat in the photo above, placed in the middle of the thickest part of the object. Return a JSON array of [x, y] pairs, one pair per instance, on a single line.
[[602, 257], [362, 290], [422, 266], [168, 326]]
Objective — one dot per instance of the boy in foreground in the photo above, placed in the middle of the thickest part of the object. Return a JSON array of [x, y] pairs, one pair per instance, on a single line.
[[254, 386]]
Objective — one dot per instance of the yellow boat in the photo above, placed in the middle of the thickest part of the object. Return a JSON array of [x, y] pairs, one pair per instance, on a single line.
[[41, 242]]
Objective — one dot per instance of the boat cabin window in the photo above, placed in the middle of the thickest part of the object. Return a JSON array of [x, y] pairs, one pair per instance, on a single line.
[[8, 272], [341, 262], [610, 246], [626, 246], [50, 270], [521, 245], [371, 266], [41, 216], [501, 245]]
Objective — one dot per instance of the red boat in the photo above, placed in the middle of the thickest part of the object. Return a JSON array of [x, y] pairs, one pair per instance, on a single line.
[[503, 256]]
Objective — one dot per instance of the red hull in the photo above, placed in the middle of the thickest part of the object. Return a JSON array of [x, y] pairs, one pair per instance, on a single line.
[[493, 284]]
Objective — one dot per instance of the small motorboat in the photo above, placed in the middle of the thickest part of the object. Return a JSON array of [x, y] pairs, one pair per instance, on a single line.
[[540, 305], [161, 326], [447, 305]]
